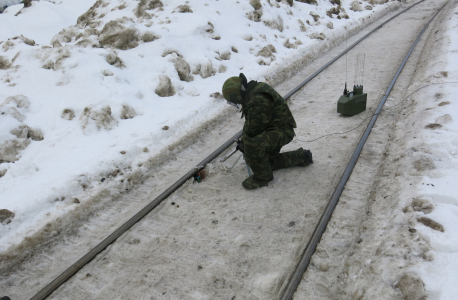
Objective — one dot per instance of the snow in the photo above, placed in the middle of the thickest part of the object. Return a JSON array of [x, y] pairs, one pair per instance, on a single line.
[[217, 40], [441, 145], [42, 20], [76, 154]]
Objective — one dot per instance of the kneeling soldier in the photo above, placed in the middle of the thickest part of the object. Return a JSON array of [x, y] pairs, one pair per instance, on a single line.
[[269, 125]]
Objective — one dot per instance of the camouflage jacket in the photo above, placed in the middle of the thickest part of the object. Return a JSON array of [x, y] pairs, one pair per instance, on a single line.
[[263, 109]]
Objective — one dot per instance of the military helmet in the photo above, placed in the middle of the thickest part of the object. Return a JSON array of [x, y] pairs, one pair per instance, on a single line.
[[231, 90]]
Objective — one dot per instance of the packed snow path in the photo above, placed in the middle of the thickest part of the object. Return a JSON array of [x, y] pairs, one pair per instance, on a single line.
[[216, 240]]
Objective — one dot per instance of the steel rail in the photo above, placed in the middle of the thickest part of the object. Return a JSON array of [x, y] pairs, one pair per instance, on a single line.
[[296, 277], [67, 274]]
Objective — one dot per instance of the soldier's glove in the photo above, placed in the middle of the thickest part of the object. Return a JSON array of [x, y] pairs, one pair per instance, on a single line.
[[240, 146]]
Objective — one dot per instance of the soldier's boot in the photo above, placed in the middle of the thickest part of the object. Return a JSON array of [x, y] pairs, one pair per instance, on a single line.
[[308, 158], [299, 157], [252, 183], [258, 160]]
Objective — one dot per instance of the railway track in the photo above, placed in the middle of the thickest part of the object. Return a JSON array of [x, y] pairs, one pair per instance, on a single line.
[[159, 210]]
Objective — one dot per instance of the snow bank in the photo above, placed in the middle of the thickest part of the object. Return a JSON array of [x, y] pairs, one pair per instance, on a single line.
[[432, 203], [111, 95]]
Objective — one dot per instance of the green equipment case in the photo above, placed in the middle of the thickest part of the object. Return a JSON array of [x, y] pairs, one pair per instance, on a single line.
[[352, 103]]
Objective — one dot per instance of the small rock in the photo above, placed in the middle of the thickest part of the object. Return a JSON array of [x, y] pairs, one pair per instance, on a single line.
[[146, 5], [107, 73], [303, 28], [431, 223], [56, 44], [68, 114], [165, 87], [412, 287], [48, 65], [183, 9], [333, 11], [323, 266], [254, 16], [316, 35], [35, 134], [217, 95], [183, 69], [267, 51], [165, 128], [433, 126], [355, 6], [25, 40], [315, 16], [420, 204], [114, 34], [20, 132], [256, 4], [114, 60], [225, 55], [101, 117], [6, 216], [127, 112], [123, 152], [288, 45], [275, 24], [314, 2], [149, 37], [206, 69]]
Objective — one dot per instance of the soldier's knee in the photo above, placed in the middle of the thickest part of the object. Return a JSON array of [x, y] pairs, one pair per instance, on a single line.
[[251, 145]]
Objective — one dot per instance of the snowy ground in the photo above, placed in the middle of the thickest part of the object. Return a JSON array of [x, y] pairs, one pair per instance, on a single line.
[[79, 120], [433, 145], [421, 159]]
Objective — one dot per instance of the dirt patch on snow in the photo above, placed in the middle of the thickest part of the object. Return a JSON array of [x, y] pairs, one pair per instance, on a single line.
[[6, 216], [99, 118]]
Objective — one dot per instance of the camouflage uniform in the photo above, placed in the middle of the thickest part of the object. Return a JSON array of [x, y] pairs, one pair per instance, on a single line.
[[269, 125]]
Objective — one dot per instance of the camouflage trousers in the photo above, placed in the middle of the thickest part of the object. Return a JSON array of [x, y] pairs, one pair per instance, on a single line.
[[262, 152]]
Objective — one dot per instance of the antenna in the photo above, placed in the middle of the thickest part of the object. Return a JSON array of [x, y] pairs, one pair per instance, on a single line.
[[359, 69], [346, 55], [354, 102]]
